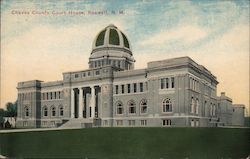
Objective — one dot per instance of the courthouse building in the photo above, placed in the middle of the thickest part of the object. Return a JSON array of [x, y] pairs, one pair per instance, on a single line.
[[111, 93]]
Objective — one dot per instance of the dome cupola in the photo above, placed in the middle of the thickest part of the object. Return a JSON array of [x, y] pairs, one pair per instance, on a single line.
[[111, 47], [111, 36]]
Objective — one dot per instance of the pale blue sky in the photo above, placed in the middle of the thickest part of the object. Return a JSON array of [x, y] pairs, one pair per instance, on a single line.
[[214, 33]]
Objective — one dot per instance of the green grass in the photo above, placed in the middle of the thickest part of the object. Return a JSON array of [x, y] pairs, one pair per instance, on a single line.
[[130, 143]]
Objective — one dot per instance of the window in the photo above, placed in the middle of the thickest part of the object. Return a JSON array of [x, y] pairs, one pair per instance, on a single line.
[[105, 122], [167, 85], [162, 83], [197, 106], [51, 95], [44, 123], [192, 123], [61, 111], [211, 109], [143, 106], [89, 73], [122, 89], [132, 108], [97, 72], [47, 96], [53, 111], [25, 123], [59, 94], [119, 108], [167, 105], [83, 74], [131, 122], [172, 82], [52, 123], [141, 87], [192, 105], [197, 123], [55, 95], [116, 89], [26, 109], [76, 75], [214, 110], [143, 122], [119, 122], [135, 89], [45, 111], [166, 122], [128, 88]]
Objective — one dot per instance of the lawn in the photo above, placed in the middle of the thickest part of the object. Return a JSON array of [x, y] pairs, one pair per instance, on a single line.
[[130, 143]]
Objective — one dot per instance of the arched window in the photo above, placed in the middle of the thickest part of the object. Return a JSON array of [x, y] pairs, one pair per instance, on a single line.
[[119, 108], [26, 110], [45, 111], [192, 105], [197, 106], [61, 111], [53, 111], [167, 105], [211, 109], [214, 110], [143, 106], [131, 107]]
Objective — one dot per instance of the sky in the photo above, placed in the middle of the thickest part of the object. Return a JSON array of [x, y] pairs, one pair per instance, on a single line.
[[42, 39]]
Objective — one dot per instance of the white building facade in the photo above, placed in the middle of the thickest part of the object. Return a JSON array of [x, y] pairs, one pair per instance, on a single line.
[[111, 93]]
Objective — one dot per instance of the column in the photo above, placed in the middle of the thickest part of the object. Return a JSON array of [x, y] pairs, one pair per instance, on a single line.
[[92, 102], [80, 103], [72, 103]]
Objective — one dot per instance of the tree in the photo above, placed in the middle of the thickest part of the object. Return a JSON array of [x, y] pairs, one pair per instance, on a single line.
[[11, 109], [2, 114]]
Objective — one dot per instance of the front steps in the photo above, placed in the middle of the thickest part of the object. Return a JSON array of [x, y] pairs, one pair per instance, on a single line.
[[81, 123], [78, 123]]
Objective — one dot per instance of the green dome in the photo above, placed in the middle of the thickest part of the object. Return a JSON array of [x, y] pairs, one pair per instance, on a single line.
[[111, 36]]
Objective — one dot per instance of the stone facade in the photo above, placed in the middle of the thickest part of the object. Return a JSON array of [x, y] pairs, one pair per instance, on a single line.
[[172, 92]]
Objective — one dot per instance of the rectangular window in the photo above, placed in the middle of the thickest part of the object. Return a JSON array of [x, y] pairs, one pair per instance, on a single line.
[[172, 82], [128, 88], [105, 122], [55, 97], [51, 95], [162, 83], [131, 122], [59, 94], [119, 122], [122, 89], [116, 89], [47, 96], [192, 123], [167, 83], [135, 87], [88, 73], [76, 75], [166, 122], [97, 72], [52, 123], [25, 123], [83, 74], [141, 87], [143, 122]]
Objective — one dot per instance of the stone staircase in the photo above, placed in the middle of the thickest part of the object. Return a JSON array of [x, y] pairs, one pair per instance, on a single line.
[[77, 123]]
